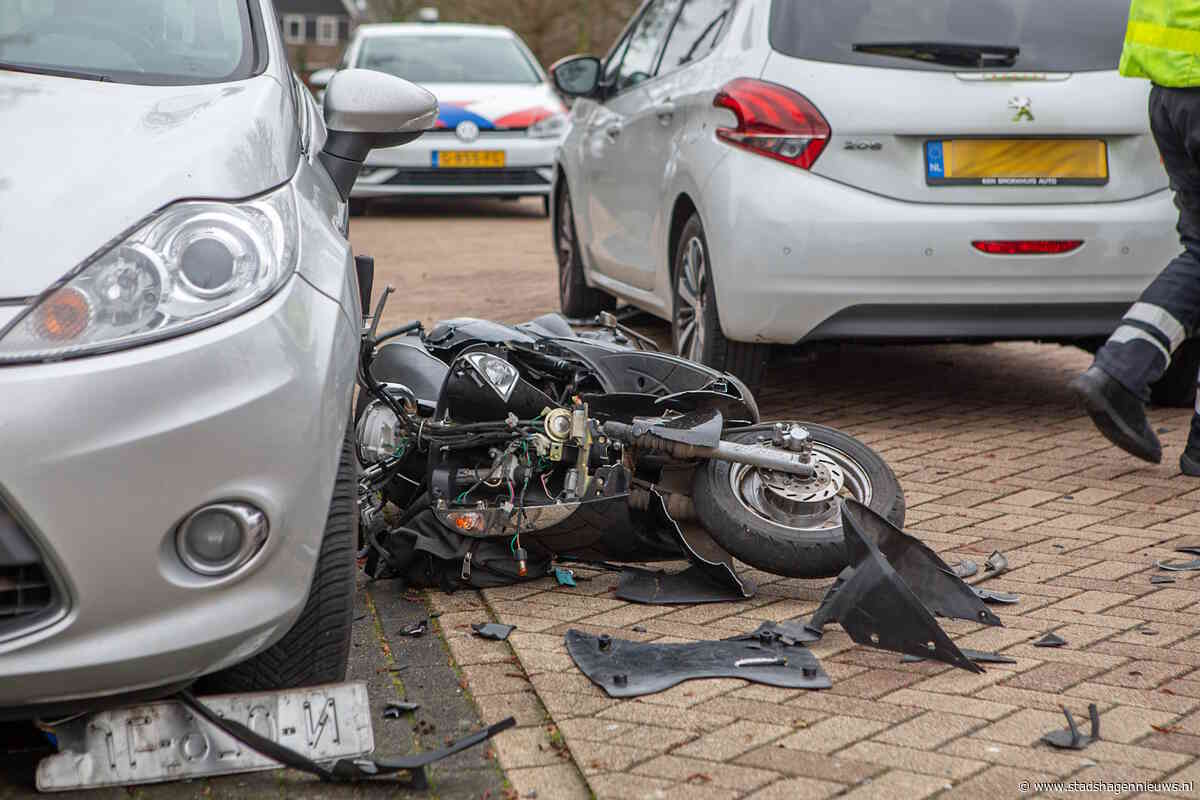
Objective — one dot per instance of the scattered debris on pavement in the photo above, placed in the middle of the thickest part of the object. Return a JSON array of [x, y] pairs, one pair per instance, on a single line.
[[1179, 566], [1157, 579], [1071, 738], [565, 577], [1050, 640], [395, 710], [965, 569], [419, 628], [493, 630], [996, 564]]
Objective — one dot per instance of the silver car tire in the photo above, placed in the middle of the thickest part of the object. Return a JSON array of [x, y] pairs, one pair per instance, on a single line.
[[317, 648], [695, 321]]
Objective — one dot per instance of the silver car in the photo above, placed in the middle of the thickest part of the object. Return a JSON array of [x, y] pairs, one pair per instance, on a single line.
[[771, 172], [179, 326]]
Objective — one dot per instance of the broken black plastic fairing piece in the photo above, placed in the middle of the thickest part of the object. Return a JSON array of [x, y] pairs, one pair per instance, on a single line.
[[630, 669], [711, 578], [894, 586]]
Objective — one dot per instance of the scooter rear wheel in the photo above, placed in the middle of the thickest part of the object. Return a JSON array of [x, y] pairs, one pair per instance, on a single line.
[[790, 526]]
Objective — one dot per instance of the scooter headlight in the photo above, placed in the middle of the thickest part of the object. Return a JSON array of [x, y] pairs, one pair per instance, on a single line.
[[376, 433], [500, 375], [190, 266]]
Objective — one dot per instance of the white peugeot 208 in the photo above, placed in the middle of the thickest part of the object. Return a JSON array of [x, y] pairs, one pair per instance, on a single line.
[[779, 171]]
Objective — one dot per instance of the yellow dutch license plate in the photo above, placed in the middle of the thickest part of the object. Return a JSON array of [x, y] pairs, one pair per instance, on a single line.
[[1016, 162], [471, 159]]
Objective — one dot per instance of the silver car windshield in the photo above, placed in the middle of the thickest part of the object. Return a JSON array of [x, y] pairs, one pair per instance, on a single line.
[[449, 59], [129, 41]]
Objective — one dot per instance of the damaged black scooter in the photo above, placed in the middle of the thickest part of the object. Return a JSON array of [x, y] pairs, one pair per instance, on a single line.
[[490, 451]]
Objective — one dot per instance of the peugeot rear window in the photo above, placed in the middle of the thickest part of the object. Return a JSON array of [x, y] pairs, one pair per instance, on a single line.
[[1049, 35]]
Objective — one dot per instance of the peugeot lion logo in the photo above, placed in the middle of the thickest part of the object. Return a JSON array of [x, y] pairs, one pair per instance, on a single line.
[[467, 131], [1024, 108]]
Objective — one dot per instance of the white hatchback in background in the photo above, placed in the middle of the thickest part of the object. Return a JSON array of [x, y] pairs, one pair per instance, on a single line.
[[888, 170], [500, 120]]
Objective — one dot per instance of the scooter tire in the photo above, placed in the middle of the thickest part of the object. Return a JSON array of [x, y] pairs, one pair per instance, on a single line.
[[775, 548]]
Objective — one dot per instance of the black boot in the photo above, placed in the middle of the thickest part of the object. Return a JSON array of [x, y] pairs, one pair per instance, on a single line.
[[1189, 462], [1118, 413]]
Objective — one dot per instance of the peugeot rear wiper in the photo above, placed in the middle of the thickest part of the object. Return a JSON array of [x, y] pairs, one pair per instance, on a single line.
[[61, 72], [951, 54]]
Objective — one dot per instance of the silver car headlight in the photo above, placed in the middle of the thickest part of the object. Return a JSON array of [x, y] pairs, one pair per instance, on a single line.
[[549, 127], [190, 266]]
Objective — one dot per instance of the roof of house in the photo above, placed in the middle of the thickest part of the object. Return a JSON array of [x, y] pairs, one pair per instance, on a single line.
[[330, 7]]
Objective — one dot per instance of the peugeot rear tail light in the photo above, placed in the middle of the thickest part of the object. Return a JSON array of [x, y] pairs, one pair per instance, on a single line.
[[773, 121]]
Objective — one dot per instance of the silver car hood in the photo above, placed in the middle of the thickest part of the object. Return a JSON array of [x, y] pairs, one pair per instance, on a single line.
[[85, 161]]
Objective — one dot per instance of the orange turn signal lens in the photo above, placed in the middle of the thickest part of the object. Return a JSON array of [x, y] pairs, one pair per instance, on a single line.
[[62, 316], [468, 522]]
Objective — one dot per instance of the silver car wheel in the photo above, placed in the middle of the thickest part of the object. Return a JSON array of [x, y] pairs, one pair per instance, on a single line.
[[691, 289]]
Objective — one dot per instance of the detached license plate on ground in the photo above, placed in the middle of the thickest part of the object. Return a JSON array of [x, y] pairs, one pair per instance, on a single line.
[[469, 159], [166, 741], [1016, 162]]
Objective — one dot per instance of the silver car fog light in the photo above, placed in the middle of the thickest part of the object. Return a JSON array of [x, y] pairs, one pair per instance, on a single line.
[[218, 539]]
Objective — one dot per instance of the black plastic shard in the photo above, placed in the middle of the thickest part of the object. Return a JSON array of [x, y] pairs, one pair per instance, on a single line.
[[894, 586], [1001, 598], [930, 578], [1179, 566], [1050, 640], [1071, 738], [631, 669], [493, 630], [680, 588], [978, 656]]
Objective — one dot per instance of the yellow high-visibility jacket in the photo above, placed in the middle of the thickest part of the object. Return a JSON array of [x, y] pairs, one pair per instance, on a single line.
[[1162, 42]]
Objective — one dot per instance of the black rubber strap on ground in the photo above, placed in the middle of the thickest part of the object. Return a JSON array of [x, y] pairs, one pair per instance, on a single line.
[[346, 770]]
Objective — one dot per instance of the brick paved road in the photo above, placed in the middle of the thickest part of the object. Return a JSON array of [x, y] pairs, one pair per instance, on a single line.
[[992, 455]]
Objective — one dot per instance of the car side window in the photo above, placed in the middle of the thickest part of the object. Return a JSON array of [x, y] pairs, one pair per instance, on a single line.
[[695, 33], [641, 51]]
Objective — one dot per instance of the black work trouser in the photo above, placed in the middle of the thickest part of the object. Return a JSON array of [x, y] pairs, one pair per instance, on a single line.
[[1168, 312]]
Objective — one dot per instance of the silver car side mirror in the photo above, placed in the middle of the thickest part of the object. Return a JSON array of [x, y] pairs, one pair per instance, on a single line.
[[365, 109]]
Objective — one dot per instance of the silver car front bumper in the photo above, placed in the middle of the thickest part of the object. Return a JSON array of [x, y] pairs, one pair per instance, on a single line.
[[102, 457]]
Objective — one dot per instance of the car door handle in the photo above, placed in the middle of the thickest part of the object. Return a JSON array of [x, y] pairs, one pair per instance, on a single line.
[[665, 112], [613, 131]]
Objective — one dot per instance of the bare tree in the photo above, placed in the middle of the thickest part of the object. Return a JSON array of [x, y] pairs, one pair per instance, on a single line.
[[553, 28]]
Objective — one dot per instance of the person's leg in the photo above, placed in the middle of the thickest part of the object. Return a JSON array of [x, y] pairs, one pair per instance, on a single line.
[[1114, 390], [1165, 316], [1189, 462]]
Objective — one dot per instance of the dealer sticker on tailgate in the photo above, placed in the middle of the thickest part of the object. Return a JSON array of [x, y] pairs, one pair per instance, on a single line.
[[166, 741]]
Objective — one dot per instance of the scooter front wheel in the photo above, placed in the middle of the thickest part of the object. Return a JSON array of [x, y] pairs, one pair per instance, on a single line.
[[791, 525]]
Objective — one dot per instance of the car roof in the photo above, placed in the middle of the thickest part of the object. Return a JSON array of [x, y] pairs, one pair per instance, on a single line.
[[435, 29]]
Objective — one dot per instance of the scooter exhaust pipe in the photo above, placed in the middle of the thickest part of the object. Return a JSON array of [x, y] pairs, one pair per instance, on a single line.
[[772, 458]]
